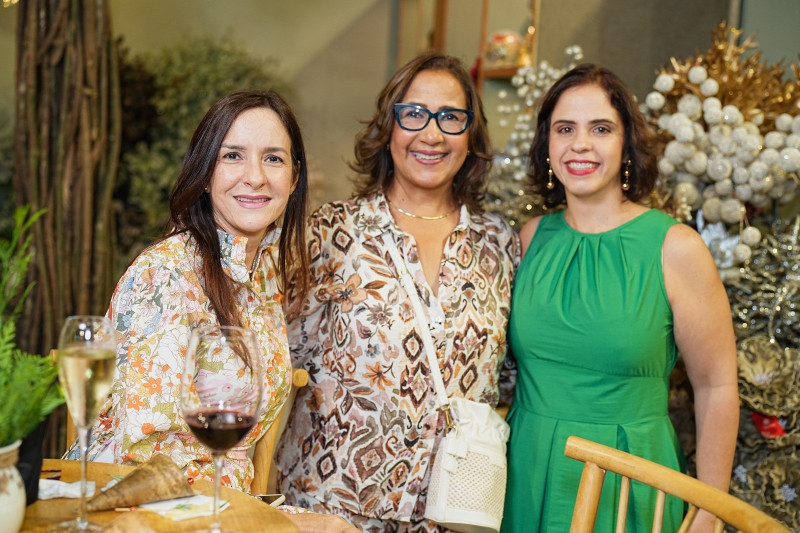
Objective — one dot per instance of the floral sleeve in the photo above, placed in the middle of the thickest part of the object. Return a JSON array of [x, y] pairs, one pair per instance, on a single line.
[[151, 312]]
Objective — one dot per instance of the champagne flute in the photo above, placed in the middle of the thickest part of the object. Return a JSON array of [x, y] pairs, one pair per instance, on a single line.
[[221, 388], [86, 350]]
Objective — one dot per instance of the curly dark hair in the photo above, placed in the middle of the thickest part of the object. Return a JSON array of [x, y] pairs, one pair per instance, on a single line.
[[373, 162], [639, 139], [191, 209]]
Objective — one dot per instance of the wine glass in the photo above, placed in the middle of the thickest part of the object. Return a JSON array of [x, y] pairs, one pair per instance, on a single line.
[[86, 364], [221, 388]]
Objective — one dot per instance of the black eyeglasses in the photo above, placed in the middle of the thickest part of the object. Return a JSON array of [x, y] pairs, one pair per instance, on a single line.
[[412, 117]]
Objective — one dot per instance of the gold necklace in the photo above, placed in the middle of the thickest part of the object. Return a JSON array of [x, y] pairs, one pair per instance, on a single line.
[[421, 217]]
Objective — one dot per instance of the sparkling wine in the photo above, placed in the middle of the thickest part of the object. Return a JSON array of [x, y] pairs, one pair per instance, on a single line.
[[86, 375], [220, 430]]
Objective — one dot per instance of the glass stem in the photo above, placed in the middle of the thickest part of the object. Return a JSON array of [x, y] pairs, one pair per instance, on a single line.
[[217, 526], [83, 444]]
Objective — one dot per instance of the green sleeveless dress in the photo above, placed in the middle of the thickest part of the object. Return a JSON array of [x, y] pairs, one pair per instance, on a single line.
[[591, 330]]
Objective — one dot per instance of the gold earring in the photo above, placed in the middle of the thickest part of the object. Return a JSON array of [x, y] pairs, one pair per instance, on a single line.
[[550, 184], [627, 174]]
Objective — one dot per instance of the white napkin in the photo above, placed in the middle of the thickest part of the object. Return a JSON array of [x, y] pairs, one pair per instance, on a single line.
[[53, 488]]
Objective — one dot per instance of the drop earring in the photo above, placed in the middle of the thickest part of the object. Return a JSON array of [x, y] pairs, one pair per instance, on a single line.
[[626, 185], [550, 184]]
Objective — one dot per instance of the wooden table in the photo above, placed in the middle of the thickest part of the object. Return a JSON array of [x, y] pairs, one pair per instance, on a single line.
[[245, 513]]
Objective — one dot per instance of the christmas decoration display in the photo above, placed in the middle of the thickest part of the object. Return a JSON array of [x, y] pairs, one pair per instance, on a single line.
[[729, 127], [765, 299], [506, 194]]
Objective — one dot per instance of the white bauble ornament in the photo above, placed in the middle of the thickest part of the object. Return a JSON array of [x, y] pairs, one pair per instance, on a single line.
[[784, 122], [709, 87], [726, 146], [758, 169], [753, 141], [712, 104], [685, 177], [718, 132], [673, 152], [712, 116], [775, 140], [655, 100], [741, 253], [665, 168], [751, 236], [793, 140], [752, 129], [677, 121], [740, 175], [789, 159], [731, 115], [723, 187], [684, 133], [761, 185], [769, 156], [697, 164], [663, 122], [697, 74], [711, 209], [718, 168], [664, 83], [743, 192], [796, 124], [757, 117], [731, 210], [690, 106], [745, 155], [739, 134]]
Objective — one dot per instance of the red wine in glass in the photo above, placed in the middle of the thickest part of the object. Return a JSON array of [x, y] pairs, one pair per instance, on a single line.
[[220, 430]]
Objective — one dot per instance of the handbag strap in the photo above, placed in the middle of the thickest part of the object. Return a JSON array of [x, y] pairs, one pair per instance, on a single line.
[[425, 332]]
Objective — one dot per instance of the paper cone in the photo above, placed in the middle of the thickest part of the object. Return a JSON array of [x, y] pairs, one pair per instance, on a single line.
[[156, 480]]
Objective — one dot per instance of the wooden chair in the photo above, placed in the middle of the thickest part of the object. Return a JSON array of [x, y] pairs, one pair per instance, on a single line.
[[599, 459], [264, 477]]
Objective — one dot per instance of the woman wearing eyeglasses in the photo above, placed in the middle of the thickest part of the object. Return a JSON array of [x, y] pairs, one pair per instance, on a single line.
[[363, 434]]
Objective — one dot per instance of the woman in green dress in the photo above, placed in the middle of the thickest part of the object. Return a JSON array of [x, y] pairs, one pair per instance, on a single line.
[[607, 295]]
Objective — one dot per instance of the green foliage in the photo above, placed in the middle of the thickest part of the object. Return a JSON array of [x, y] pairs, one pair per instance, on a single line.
[[187, 79], [14, 260], [28, 383]]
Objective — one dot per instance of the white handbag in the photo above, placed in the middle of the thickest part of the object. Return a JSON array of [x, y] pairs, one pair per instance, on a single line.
[[467, 485]]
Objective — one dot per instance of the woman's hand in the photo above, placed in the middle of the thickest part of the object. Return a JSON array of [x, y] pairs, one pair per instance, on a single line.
[[321, 523]]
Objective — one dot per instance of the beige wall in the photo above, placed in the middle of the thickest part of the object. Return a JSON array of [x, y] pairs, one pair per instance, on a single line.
[[338, 53]]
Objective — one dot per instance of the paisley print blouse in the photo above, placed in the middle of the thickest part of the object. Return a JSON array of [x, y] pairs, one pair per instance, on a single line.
[[157, 302], [362, 433]]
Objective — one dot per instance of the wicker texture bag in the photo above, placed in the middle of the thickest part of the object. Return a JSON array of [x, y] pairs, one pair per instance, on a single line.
[[468, 477]]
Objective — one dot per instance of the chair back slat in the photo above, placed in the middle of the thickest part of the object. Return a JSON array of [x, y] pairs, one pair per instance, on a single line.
[[727, 508], [688, 519], [658, 512], [588, 498], [624, 497]]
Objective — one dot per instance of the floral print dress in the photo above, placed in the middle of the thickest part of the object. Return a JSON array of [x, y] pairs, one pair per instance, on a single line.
[[157, 302], [362, 435]]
